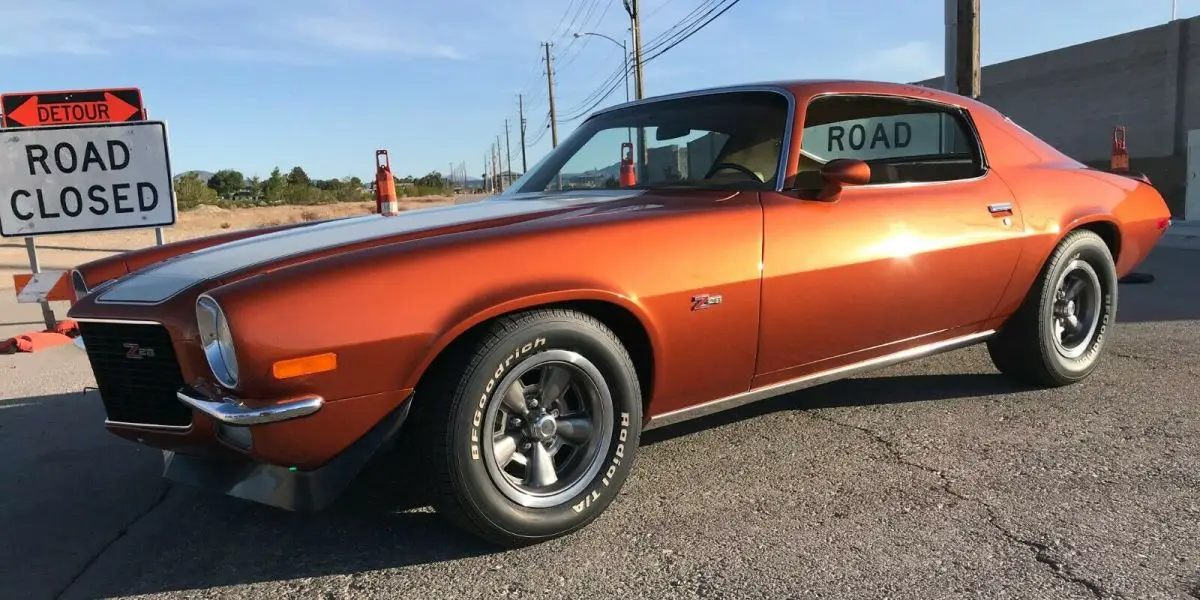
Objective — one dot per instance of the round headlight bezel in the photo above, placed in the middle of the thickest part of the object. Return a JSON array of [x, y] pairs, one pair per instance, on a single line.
[[217, 340]]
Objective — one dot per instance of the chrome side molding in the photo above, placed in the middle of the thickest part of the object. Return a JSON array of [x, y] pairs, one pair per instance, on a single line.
[[234, 412], [815, 379]]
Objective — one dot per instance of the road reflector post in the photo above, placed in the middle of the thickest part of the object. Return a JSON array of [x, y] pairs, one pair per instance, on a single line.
[[385, 186]]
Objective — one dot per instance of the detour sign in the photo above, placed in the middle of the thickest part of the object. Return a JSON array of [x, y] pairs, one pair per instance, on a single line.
[[85, 178], [64, 108]]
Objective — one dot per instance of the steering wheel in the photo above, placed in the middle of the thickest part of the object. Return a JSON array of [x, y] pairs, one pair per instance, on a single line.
[[735, 167]]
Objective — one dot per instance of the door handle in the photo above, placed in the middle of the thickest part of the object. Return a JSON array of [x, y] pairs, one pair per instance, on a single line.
[[1000, 207]]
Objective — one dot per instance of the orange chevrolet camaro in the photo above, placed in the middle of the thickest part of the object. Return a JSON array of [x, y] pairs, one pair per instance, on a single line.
[[673, 257]]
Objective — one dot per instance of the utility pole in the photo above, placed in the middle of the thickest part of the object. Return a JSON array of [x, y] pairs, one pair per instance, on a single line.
[[486, 184], [499, 166], [635, 28], [962, 68], [521, 111], [967, 66], [550, 86], [507, 148]]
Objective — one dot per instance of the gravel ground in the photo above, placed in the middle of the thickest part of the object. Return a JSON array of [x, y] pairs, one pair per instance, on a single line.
[[936, 479]]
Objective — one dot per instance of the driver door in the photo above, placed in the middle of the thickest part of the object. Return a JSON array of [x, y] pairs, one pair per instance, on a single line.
[[918, 254]]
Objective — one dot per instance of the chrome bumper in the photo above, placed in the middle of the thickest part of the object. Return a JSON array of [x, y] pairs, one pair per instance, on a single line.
[[232, 411]]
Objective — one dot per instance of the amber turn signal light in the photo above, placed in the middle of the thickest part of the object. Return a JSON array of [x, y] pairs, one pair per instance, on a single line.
[[305, 365]]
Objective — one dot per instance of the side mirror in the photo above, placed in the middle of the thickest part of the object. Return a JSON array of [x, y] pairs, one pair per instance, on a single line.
[[842, 172]]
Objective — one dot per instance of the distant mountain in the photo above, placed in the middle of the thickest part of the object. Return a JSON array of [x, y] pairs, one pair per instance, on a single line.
[[613, 170], [203, 175]]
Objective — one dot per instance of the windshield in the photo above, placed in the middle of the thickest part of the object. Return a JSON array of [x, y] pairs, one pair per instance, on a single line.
[[721, 140]]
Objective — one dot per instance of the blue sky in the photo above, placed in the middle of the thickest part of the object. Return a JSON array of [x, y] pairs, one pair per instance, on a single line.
[[323, 83]]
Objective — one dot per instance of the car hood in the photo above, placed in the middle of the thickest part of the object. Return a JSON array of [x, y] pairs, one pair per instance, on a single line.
[[164, 280]]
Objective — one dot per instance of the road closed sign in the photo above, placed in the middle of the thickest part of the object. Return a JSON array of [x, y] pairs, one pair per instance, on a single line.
[[79, 178]]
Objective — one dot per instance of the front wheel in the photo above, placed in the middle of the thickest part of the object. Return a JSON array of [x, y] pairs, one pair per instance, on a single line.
[[532, 429], [1059, 333]]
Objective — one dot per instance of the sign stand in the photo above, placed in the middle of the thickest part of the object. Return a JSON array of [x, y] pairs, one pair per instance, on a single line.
[[47, 312]]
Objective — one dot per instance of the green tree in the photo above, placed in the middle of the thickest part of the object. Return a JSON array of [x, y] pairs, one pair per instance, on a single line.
[[433, 179], [298, 177], [255, 184], [274, 185], [190, 192], [226, 182]]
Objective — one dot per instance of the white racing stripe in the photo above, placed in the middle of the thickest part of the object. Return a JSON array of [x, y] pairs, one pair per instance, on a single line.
[[160, 283]]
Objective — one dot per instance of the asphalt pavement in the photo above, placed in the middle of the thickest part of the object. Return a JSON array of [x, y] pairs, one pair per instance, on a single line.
[[936, 479]]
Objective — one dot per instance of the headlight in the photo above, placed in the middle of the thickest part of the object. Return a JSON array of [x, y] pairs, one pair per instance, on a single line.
[[217, 341], [78, 285]]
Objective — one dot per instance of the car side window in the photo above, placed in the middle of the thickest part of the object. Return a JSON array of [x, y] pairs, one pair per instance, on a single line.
[[903, 140]]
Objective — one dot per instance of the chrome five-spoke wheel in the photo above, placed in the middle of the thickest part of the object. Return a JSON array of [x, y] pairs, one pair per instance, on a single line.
[[531, 425], [548, 427]]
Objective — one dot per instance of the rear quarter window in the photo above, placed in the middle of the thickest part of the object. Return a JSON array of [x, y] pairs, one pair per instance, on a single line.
[[903, 140]]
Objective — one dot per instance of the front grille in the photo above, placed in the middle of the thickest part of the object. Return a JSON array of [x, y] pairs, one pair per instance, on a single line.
[[137, 373]]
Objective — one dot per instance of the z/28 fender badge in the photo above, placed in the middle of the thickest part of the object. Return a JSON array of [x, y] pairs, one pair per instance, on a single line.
[[704, 301]]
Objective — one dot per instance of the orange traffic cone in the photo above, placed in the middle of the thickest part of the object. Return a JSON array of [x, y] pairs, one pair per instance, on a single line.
[[385, 186], [628, 173], [1120, 154]]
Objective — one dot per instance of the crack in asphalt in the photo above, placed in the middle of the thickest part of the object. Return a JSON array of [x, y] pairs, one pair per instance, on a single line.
[[1155, 362], [162, 496], [1042, 553]]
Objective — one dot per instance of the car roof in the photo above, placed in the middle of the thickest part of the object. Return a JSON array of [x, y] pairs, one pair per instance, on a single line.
[[808, 87]]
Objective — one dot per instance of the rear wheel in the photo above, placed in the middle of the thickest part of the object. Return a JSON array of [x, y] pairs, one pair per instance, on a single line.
[[1058, 334], [531, 430]]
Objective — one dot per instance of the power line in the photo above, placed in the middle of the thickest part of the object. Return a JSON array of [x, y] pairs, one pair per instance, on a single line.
[[679, 39], [584, 26], [676, 33], [655, 11], [689, 34]]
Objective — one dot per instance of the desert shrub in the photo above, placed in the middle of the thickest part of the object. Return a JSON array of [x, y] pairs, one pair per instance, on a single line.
[[190, 192], [310, 215], [305, 195]]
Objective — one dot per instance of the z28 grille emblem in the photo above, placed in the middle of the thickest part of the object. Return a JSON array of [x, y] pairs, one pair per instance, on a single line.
[[135, 351], [704, 301]]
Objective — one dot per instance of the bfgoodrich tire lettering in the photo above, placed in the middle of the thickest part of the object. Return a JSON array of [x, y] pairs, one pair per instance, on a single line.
[[531, 429], [1058, 334]]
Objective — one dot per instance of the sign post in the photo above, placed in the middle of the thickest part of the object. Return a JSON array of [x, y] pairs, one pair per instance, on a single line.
[[63, 170], [47, 312]]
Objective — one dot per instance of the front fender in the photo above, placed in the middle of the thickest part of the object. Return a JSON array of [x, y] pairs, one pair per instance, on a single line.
[[475, 311]]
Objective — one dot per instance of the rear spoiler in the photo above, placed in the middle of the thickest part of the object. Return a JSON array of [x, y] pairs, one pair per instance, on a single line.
[[1142, 177]]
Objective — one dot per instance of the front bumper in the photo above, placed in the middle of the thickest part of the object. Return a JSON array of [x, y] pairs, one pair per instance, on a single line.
[[286, 487], [231, 411]]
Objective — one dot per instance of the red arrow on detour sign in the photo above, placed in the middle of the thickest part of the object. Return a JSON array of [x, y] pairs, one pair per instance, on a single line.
[[66, 108]]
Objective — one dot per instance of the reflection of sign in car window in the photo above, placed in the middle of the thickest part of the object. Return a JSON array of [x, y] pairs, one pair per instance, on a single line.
[[877, 137]]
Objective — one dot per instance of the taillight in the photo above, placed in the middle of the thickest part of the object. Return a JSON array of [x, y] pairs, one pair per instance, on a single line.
[[1163, 224]]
